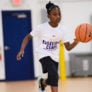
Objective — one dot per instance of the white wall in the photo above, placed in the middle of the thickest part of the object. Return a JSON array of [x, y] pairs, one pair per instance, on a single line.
[[2, 66], [72, 15]]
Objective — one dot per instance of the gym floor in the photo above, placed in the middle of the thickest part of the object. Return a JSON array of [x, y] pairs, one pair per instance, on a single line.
[[69, 85]]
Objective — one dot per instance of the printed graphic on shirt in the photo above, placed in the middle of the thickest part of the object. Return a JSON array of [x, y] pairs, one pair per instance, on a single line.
[[50, 45]]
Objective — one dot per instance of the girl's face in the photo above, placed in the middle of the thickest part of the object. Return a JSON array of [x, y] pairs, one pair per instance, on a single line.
[[55, 16]]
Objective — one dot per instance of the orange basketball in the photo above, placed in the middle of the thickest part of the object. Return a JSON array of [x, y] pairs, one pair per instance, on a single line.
[[83, 32]]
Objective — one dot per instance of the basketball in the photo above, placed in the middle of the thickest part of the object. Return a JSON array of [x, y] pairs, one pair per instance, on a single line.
[[83, 32]]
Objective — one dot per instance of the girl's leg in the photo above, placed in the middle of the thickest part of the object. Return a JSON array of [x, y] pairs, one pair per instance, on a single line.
[[52, 79], [54, 88], [50, 66]]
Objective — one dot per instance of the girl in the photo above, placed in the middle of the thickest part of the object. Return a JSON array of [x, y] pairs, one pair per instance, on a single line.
[[50, 34]]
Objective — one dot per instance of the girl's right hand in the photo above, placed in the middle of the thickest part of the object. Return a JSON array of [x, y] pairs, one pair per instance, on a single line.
[[76, 41], [20, 55]]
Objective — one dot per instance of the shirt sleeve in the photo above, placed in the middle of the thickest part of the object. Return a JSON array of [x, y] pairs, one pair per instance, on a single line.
[[36, 32]]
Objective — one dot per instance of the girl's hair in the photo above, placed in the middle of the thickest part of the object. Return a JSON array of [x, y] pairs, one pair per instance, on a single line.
[[50, 6]]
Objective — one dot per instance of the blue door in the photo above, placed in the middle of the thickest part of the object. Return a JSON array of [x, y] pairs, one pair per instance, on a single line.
[[16, 25]]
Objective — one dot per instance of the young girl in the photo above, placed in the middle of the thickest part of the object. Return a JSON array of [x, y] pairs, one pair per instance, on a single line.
[[50, 34]]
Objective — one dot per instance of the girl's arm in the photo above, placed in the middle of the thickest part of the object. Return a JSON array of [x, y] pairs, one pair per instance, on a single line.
[[23, 46], [69, 46]]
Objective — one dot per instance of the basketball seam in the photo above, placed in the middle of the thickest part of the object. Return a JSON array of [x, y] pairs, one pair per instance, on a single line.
[[85, 33], [89, 33], [79, 33]]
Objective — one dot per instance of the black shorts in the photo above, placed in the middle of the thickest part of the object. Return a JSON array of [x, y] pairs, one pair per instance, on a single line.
[[51, 67]]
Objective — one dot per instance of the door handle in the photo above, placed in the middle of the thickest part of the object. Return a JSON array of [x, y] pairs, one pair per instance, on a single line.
[[6, 48]]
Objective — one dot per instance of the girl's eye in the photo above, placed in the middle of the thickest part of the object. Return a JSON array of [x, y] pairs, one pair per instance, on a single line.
[[55, 14]]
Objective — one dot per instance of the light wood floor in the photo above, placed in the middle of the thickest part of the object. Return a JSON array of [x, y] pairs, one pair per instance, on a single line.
[[70, 85]]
